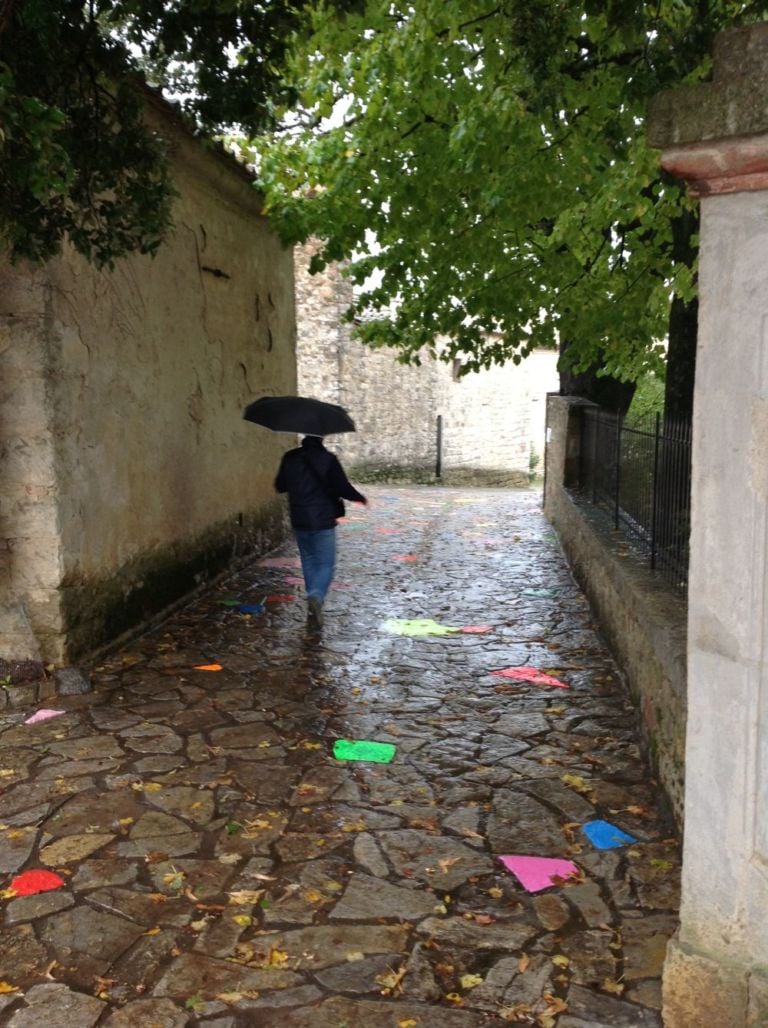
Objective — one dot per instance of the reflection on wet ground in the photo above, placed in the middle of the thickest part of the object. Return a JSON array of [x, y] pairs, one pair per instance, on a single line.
[[219, 866]]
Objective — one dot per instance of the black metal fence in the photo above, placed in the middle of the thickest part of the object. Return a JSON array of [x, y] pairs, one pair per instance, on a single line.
[[640, 473]]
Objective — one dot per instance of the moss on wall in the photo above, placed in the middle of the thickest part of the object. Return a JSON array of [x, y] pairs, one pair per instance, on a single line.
[[98, 610], [393, 474]]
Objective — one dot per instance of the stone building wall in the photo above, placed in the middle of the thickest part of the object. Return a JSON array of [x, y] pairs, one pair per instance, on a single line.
[[128, 473], [492, 421]]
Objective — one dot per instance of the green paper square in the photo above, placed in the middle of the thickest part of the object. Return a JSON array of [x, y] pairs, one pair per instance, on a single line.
[[360, 749]]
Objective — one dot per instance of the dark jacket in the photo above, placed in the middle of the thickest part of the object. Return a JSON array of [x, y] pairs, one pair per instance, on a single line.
[[315, 481]]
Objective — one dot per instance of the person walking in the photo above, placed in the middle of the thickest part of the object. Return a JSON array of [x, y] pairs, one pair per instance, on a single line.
[[316, 485]]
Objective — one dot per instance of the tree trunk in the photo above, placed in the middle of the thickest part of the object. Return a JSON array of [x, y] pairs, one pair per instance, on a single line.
[[683, 328], [603, 390]]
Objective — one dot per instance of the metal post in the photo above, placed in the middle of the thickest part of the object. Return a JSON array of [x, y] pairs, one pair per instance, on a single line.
[[655, 494], [439, 458], [618, 470]]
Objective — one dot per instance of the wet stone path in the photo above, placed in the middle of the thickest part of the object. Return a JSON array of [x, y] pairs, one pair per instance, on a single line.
[[220, 866]]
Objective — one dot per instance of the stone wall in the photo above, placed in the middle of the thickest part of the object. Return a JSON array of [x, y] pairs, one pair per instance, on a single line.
[[492, 421], [643, 622], [128, 473]]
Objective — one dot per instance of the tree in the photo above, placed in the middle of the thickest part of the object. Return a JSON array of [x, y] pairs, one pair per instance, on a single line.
[[77, 158], [494, 149]]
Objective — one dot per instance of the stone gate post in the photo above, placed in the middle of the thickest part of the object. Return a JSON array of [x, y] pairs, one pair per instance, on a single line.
[[715, 136]]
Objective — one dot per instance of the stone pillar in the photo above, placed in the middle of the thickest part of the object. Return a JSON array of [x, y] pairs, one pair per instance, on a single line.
[[715, 136], [563, 448]]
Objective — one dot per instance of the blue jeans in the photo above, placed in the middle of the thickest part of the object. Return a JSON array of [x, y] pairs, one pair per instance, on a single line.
[[318, 559]]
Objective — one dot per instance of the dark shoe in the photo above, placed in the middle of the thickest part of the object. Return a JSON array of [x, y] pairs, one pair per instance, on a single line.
[[315, 605]]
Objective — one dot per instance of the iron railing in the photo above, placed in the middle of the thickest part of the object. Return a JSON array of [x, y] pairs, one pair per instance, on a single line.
[[640, 473]]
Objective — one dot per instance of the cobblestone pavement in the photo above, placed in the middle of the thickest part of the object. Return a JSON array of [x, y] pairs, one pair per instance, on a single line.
[[221, 867]]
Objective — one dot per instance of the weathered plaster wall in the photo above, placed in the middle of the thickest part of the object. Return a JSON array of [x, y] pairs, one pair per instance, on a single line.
[[492, 420], [148, 476], [644, 624], [30, 551]]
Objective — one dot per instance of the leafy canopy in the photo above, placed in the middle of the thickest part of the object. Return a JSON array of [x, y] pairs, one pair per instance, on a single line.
[[495, 153], [76, 158]]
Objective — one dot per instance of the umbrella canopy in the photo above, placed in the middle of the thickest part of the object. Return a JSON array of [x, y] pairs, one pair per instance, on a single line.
[[299, 414]]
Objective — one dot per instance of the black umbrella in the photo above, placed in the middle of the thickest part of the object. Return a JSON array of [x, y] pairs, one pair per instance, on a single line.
[[299, 414]]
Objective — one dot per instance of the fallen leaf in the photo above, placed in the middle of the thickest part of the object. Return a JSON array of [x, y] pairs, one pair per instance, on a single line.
[[523, 963], [577, 783], [594, 761], [174, 879], [6, 987], [277, 958], [609, 985], [242, 896], [555, 1007], [569, 830], [521, 1012], [482, 918], [560, 961], [471, 981], [153, 931], [391, 979], [447, 862]]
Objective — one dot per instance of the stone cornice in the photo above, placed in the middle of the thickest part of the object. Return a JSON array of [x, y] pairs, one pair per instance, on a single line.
[[715, 135], [720, 166]]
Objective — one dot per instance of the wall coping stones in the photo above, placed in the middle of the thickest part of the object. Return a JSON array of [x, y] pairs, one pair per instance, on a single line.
[[714, 134]]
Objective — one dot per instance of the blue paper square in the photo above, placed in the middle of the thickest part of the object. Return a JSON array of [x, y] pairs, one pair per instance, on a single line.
[[605, 836], [251, 608]]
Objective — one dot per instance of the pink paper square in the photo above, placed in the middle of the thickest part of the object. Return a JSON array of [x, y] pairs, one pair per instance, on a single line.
[[43, 715], [537, 873], [530, 674]]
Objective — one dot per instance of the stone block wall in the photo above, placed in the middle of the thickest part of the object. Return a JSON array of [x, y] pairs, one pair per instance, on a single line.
[[128, 471], [492, 421]]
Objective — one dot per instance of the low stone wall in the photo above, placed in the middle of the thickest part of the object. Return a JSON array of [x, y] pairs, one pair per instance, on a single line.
[[644, 623]]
